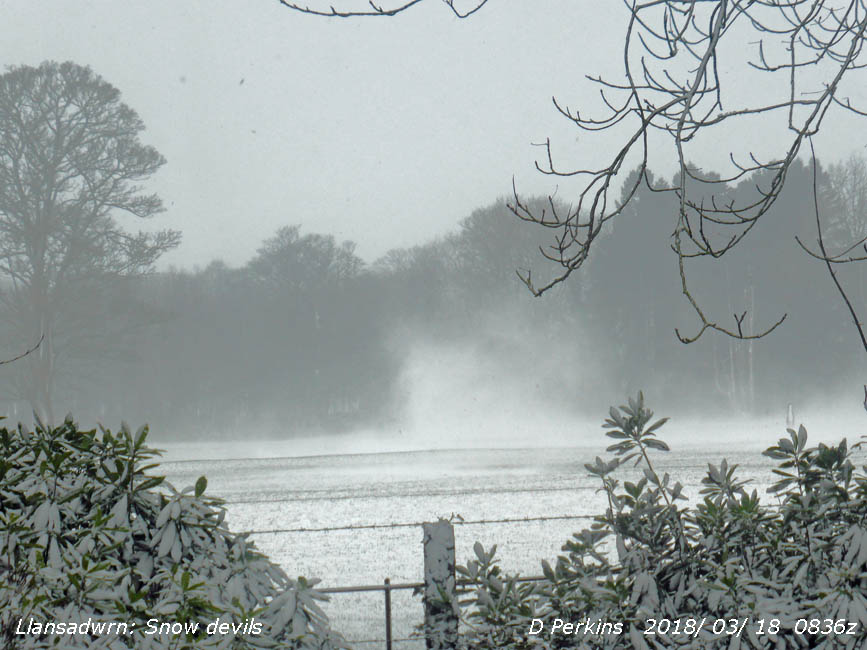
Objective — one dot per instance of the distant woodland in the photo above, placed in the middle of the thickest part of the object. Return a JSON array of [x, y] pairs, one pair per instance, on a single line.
[[309, 337]]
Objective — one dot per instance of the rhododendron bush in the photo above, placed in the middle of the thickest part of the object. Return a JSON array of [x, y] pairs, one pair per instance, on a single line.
[[90, 535]]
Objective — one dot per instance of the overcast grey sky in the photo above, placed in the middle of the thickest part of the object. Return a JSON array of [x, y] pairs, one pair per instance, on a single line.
[[383, 131]]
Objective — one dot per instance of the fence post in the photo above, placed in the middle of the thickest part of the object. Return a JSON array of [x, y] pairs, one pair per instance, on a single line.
[[387, 591], [440, 617]]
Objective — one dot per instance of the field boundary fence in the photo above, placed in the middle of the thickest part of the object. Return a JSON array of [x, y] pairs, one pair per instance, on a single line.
[[414, 524], [441, 626]]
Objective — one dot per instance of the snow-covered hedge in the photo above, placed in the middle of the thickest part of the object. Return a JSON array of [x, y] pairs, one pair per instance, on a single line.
[[730, 572], [89, 535]]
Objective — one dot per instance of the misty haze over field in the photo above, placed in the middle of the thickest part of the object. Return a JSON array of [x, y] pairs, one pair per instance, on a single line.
[[441, 346]]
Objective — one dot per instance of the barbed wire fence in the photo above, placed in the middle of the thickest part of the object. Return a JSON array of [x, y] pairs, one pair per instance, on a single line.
[[387, 587], [416, 524]]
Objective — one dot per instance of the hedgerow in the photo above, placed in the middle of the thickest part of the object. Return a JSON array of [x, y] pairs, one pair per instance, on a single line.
[[651, 558], [89, 533]]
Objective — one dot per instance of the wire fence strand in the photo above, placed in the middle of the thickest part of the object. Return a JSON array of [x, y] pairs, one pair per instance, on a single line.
[[414, 524], [317, 496]]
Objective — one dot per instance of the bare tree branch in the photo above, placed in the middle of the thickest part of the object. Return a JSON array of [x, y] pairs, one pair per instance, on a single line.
[[24, 354], [375, 10], [829, 261], [672, 86]]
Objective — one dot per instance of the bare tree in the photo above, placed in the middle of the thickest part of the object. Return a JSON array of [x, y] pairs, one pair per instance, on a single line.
[[70, 159], [833, 260], [843, 192], [670, 96]]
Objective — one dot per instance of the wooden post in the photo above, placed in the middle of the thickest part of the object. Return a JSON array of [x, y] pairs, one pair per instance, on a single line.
[[440, 616], [387, 614]]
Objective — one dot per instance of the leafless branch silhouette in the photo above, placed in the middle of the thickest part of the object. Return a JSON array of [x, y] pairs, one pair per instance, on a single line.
[[25, 353], [373, 9], [671, 85]]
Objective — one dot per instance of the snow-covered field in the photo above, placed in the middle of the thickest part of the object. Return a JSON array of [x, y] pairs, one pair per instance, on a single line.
[[417, 486]]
